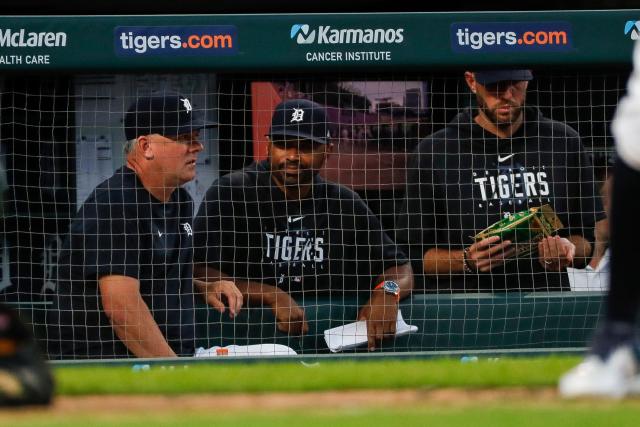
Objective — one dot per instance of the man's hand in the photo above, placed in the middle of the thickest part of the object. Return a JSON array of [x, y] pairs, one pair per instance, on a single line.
[[213, 292], [381, 314], [487, 254], [290, 318], [555, 253]]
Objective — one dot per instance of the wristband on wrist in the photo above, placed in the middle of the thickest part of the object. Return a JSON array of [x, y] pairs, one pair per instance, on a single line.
[[465, 263]]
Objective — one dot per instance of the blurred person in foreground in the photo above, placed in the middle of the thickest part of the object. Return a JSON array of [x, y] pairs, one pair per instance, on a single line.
[[611, 368], [25, 379]]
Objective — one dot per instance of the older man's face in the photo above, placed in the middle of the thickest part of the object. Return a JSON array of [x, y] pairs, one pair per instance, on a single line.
[[502, 102], [176, 156]]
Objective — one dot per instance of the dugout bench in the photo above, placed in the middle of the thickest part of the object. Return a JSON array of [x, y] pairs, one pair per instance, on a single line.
[[445, 322]]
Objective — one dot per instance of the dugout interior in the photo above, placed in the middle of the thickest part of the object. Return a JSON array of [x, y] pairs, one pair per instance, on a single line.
[[61, 134]]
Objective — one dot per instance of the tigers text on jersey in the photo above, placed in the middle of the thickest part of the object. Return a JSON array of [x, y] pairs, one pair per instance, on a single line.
[[328, 241], [463, 179]]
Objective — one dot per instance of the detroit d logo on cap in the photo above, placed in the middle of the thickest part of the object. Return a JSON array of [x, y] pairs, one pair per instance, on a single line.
[[297, 115], [186, 104]]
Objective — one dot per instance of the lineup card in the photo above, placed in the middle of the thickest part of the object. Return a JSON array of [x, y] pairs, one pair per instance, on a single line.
[[354, 334]]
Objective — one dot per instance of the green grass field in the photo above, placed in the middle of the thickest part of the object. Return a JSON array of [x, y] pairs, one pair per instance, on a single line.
[[503, 415], [325, 375], [503, 392]]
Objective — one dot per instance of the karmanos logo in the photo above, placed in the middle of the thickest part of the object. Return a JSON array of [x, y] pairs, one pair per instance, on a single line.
[[197, 40], [325, 34], [632, 29], [472, 37], [302, 35]]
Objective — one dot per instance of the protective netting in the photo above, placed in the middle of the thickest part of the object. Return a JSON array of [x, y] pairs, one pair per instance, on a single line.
[[62, 136]]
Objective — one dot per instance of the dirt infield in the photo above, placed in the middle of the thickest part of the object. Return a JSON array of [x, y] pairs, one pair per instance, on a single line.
[[453, 407], [279, 401]]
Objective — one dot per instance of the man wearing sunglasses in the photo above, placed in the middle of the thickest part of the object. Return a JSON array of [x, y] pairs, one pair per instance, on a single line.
[[284, 235], [125, 280]]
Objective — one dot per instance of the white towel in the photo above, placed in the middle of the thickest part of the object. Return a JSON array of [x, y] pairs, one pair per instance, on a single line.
[[245, 350]]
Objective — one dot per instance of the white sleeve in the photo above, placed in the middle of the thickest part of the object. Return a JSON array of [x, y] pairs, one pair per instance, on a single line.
[[626, 123]]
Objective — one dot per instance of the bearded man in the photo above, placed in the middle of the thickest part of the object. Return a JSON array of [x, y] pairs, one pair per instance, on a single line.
[[284, 236], [492, 162]]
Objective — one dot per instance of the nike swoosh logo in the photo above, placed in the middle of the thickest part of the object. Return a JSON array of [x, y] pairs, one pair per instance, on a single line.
[[502, 159], [159, 233], [291, 219]]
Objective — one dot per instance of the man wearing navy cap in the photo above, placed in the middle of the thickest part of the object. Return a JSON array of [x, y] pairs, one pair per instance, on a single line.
[[284, 235], [125, 284], [490, 163]]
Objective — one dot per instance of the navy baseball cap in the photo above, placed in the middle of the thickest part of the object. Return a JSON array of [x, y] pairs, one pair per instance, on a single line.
[[300, 118], [493, 76], [168, 115]]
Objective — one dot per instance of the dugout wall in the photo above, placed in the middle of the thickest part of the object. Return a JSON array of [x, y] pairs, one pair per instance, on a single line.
[[67, 80]]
